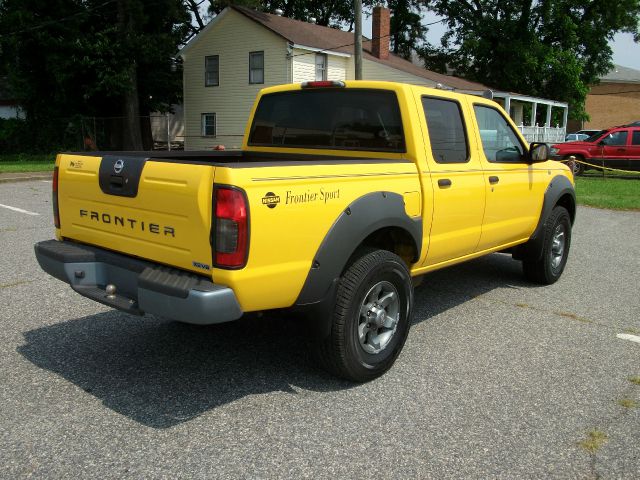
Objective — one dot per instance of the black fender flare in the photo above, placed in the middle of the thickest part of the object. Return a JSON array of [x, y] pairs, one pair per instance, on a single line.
[[364, 216], [559, 187]]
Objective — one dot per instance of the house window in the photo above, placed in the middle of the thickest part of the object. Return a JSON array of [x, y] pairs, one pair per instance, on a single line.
[[321, 66], [256, 67], [212, 71], [208, 124]]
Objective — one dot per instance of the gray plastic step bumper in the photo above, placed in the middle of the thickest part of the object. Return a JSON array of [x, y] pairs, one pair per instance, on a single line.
[[140, 286]]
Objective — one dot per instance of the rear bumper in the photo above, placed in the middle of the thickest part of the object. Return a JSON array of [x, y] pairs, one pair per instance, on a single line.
[[140, 286]]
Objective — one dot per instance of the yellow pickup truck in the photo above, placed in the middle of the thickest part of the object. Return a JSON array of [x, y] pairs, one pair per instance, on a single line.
[[343, 192]]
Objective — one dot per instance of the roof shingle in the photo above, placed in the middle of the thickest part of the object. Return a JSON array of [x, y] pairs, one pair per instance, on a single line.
[[332, 39]]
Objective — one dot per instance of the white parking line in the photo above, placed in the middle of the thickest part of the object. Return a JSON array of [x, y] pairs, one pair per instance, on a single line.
[[16, 209], [626, 336], [46, 181]]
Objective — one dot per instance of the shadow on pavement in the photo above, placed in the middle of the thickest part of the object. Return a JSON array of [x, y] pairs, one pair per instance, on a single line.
[[162, 373]]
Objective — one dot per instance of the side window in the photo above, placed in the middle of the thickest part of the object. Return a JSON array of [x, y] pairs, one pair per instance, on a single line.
[[208, 121], [499, 141], [446, 130], [616, 138], [212, 71], [256, 67], [635, 140], [321, 66]]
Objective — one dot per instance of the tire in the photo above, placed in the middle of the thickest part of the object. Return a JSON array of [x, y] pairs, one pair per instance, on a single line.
[[366, 336], [555, 250]]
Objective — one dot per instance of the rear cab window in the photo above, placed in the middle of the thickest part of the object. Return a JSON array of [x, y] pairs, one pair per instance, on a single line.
[[337, 119], [446, 130]]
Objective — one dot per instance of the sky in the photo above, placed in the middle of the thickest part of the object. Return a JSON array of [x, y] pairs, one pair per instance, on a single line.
[[625, 51]]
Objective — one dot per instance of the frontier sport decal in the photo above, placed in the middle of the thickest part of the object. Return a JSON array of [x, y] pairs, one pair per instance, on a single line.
[[295, 198], [125, 222]]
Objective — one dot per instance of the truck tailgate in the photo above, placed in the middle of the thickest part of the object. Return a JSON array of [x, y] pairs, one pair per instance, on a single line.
[[157, 209]]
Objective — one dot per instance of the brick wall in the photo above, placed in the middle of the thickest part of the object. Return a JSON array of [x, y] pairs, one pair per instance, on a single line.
[[611, 104]]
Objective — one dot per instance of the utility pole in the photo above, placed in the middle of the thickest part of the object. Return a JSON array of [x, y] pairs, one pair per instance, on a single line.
[[358, 43]]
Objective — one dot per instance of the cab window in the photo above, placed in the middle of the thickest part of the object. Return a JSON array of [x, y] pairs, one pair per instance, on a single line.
[[499, 142], [616, 138], [333, 118], [446, 130]]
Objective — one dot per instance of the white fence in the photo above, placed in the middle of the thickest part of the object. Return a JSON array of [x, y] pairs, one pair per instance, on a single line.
[[543, 134]]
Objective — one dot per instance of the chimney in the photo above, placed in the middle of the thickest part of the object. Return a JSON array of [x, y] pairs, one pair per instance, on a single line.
[[380, 32]]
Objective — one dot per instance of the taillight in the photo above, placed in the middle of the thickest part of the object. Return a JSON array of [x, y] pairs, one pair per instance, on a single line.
[[231, 223], [54, 198], [323, 84]]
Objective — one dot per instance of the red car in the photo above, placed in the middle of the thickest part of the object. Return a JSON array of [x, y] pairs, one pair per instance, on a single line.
[[617, 147]]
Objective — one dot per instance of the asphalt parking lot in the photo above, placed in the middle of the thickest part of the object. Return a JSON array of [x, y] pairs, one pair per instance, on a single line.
[[498, 379]]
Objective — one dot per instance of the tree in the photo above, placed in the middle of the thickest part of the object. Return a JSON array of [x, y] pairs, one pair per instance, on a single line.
[[548, 48], [93, 58]]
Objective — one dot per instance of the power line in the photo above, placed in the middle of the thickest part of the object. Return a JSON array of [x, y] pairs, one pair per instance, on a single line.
[[59, 20], [614, 93], [328, 49]]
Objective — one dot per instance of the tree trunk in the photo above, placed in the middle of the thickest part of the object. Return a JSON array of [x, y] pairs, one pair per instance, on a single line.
[[147, 134], [131, 134]]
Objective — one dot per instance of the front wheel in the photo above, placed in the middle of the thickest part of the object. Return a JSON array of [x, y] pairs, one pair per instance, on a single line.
[[555, 250], [371, 317]]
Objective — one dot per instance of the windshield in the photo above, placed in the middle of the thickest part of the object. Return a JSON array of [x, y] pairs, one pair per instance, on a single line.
[[596, 136], [342, 119]]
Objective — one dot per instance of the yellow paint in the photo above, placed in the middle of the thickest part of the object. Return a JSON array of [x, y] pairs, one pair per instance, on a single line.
[[412, 204], [284, 239]]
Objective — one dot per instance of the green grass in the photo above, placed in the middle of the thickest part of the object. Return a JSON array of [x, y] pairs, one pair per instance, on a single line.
[[618, 194], [594, 441], [627, 403], [23, 162]]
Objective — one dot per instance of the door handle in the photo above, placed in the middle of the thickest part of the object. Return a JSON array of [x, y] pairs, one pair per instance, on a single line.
[[444, 182], [493, 179], [622, 149]]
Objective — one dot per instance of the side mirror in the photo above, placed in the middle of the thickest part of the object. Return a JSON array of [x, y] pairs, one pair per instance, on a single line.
[[538, 152]]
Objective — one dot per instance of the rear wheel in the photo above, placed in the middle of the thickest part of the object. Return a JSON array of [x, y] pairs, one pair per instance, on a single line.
[[557, 239], [371, 317]]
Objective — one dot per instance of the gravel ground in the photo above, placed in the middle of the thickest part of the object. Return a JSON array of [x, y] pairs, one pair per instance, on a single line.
[[498, 379]]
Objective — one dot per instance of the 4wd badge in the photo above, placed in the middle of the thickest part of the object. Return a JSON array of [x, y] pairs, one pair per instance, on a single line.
[[271, 200]]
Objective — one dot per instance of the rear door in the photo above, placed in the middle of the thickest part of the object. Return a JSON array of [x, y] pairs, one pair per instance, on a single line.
[[456, 180], [156, 209], [634, 150]]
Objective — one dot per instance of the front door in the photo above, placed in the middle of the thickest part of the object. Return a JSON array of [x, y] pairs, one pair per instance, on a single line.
[[456, 180], [615, 149], [514, 189]]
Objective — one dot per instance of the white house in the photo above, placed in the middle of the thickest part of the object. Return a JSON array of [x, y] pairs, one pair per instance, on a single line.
[[242, 51]]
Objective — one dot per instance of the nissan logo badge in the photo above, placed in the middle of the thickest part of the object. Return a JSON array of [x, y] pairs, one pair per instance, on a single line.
[[118, 166]]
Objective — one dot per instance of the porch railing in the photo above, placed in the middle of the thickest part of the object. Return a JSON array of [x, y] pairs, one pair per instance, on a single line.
[[543, 134]]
